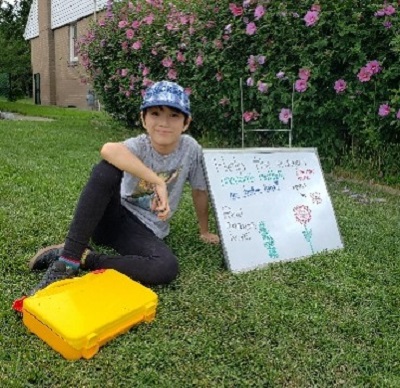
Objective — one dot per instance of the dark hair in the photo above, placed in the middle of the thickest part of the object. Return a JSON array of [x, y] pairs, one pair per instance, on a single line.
[[185, 122]]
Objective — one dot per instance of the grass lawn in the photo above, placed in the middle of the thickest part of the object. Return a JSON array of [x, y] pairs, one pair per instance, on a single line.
[[328, 320]]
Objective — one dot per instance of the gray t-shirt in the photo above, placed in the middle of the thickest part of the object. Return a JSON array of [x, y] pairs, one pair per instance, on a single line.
[[183, 165]]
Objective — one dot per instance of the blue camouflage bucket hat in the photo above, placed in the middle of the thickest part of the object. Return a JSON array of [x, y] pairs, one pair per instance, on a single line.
[[168, 94]]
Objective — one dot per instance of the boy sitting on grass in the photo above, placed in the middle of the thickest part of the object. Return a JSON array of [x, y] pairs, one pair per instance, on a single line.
[[132, 194]]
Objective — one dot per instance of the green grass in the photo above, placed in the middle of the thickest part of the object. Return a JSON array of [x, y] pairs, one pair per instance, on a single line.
[[328, 320]]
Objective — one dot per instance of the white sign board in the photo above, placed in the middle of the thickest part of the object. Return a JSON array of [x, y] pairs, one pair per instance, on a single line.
[[270, 205]]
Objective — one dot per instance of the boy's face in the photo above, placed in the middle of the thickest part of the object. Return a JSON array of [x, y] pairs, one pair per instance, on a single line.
[[164, 126]]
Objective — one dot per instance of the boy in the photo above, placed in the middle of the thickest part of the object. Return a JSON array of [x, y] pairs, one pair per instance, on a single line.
[[131, 195]]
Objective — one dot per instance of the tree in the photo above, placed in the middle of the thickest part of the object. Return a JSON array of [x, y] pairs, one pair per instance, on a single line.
[[15, 58]]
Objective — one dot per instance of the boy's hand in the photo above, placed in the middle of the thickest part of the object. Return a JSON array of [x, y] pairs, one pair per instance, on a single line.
[[160, 203], [209, 238]]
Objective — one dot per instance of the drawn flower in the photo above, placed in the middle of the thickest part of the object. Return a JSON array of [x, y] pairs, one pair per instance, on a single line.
[[302, 213]]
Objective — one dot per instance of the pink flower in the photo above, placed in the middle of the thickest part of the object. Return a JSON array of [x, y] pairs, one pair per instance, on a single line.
[[147, 82], [135, 24], [172, 74], [398, 115], [285, 115], [311, 18], [124, 72], [262, 87], [259, 12], [304, 74], [252, 63], [218, 76], [248, 116], [130, 34], [250, 82], [122, 24], [389, 10], [251, 28], [102, 23], [301, 85], [184, 19], [149, 19], [340, 86], [379, 13], [145, 71], [384, 110], [137, 45], [199, 60], [167, 62], [235, 9], [280, 75], [180, 57], [373, 67], [364, 75], [188, 91]]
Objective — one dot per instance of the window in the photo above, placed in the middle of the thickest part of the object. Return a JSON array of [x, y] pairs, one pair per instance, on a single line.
[[73, 48]]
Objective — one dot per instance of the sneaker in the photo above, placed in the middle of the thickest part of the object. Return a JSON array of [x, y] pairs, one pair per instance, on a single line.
[[57, 271], [45, 257]]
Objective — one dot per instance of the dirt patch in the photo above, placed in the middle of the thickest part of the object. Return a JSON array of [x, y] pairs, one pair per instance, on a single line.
[[30, 118], [367, 184]]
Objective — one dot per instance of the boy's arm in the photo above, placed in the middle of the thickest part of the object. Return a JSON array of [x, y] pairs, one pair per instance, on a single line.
[[121, 157], [200, 201]]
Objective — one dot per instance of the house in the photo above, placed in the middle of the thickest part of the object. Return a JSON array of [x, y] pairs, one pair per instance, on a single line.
[[53, 27]]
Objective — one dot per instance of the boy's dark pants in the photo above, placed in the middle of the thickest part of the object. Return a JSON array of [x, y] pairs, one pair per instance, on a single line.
[[100, 216]]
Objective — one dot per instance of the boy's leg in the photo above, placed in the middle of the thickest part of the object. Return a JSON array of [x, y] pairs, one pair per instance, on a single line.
[[142, 255], [99, 199], [101, 195]]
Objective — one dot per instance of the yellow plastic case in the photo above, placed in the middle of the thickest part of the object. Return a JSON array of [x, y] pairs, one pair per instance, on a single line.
[[77, 316]]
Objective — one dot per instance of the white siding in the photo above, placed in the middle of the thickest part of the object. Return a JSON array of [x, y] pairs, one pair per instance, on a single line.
[[32, 25], [67, 11], [62, 12]]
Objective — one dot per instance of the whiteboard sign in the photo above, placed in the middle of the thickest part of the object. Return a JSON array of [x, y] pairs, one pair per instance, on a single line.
[[270, 204]]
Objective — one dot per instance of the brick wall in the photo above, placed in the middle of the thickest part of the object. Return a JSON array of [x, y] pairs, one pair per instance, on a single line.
[[60, 80]]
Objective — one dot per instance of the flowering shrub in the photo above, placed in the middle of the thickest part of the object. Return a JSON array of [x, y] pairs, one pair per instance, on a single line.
[[337, 62]]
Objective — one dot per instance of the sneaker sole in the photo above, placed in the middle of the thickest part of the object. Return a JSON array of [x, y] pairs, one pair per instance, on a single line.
[[32, 261]]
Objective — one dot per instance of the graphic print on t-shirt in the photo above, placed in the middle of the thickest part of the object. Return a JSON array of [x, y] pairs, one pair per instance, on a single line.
[[144, 194]]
